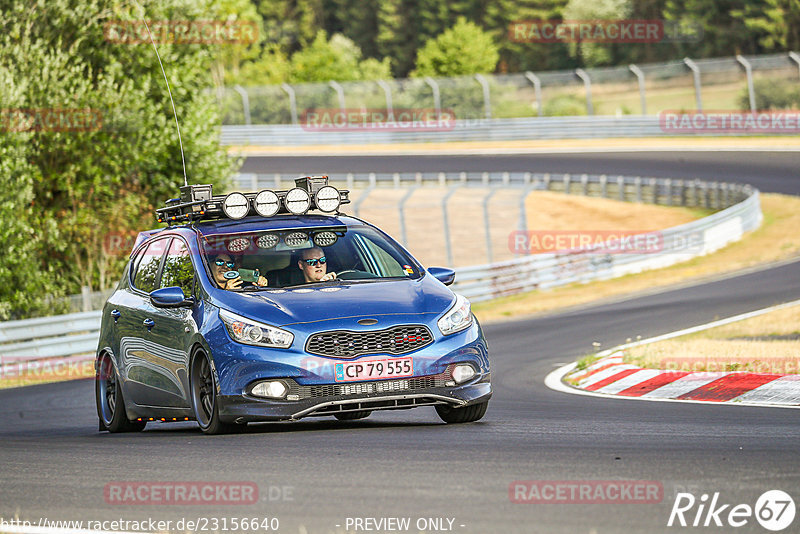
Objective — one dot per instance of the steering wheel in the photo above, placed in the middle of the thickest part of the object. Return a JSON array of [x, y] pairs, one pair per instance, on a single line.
[[361, 274]]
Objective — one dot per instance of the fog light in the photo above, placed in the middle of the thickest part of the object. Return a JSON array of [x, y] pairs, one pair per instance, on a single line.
[[274, 389], [463, 372]]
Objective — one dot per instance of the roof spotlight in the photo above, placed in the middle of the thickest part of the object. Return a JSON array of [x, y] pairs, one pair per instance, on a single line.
[[235, 206], [297, 201], [327, 199], [267, 203]]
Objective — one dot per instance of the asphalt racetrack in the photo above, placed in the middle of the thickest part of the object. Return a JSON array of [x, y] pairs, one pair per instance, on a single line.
[[315, 474]]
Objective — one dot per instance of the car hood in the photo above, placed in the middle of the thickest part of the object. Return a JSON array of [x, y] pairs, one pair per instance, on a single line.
[[331, 302]]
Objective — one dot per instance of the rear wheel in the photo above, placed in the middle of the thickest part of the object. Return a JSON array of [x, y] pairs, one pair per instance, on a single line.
[[204, 397], [467, 414], [110, 404], [352, 416]]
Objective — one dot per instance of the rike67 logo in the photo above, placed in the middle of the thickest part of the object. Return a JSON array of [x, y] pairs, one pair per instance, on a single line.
[[774, 510]]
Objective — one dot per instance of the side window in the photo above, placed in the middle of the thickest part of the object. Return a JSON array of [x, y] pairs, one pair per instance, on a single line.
[[145, 277], [178, 270], [379, 261]]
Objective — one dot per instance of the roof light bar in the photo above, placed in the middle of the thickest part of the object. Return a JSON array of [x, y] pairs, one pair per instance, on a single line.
[[236, 206], [267, 203], [198, 202], [297, 201]]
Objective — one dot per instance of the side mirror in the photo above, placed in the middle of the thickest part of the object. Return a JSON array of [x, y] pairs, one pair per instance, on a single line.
[[169, 297], [443, 274]]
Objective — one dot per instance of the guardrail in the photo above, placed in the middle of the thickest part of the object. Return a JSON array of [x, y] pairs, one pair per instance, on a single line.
[[39, 339], [467, 130]]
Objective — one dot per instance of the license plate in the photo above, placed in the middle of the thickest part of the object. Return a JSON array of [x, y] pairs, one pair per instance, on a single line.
[[374, 369]]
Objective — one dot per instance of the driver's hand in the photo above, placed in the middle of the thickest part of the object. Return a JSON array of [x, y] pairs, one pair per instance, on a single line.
[[236, 283], [329, 276], [262, 281]]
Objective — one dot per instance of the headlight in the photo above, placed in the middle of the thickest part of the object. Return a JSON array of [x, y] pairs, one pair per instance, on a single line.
[[252, 332], [457, 318]]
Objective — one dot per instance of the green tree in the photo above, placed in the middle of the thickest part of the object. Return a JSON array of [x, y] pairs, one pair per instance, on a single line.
[[463, 49], [336, 59], [775, 22], [85, 180]]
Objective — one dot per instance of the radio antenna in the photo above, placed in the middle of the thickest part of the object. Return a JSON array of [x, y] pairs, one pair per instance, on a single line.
[[174, 113]]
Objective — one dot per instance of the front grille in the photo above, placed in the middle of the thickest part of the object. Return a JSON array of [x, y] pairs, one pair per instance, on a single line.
[[362, 388], [347, 344]]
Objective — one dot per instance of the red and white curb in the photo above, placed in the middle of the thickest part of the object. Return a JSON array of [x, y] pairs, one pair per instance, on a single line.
[[610, 377]]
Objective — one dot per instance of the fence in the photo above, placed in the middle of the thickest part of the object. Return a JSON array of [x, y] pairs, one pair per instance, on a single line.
[[721, 83], [48, 338]]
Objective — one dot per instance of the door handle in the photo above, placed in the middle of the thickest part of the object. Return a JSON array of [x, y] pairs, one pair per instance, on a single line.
[[149, 323], [116, 315]]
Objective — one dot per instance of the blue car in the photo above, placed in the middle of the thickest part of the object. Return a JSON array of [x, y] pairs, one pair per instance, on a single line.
[[248, 308]]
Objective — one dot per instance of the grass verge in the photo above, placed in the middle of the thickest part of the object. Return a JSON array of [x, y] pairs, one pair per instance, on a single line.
[[768, 343]]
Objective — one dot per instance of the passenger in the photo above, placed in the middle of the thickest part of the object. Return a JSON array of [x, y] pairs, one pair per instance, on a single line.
[[312, 264], [224, 263]]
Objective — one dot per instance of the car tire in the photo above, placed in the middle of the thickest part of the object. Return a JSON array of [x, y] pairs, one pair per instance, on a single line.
[[108, 397], [352, 416], [205, 402], [467, 414]]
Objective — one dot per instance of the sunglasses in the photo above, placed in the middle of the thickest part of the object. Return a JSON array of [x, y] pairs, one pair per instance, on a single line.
[[230, 264], [314, 261]]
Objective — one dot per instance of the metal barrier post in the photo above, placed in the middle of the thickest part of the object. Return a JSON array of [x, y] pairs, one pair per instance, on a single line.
[[387, 90], [340, 93], [437, 101], [796, 58], [621, 187], [523, 215], [751, 91], [401, 211], [487, 102], [486, 224], [587, 83], [640, 76], [604, 186], [245, 102], [537, 89], [447, 244], [361, 199], [697, 84], [292, 101]]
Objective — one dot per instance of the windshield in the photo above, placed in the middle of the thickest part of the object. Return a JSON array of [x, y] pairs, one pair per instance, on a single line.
[[285, 258]]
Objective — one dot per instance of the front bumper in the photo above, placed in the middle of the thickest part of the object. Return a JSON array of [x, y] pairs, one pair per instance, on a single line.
[[322, 400]]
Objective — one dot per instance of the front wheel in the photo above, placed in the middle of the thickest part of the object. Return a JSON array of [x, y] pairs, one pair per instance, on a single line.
[[108, 396], [467, 414], [204, 397]]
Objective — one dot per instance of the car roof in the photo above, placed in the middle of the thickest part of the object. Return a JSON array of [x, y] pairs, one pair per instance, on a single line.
[[280, 222]]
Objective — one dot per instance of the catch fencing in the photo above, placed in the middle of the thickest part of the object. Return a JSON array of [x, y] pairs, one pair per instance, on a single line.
[[646, 90]]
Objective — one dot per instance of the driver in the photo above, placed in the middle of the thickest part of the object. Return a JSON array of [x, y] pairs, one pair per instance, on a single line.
[[312, 264], [224, 263]]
